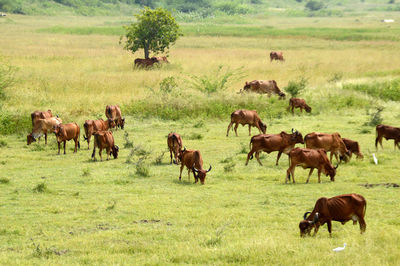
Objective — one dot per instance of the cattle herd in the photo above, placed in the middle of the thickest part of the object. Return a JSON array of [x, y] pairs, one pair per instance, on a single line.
[[341, 208]]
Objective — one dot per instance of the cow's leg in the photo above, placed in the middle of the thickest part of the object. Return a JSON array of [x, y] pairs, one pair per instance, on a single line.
[[88, 140], [278, 157], [189, 174], [100, 154], [108, 153], [301, 109], [59, 144], [250, 130], [258, 157], [236, 126], [337, 158], [76, 145], [170, 155], [319, 175], [309, 174], [248, 156], [292, 109], [290, 171], [45, 139], [65, 142], [397, 144], [331, 155], [229, 127], [180, 174], [316, 228], [329, 224]]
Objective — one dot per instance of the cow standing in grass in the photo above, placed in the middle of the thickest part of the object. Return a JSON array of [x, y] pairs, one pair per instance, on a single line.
[[42, 127], [387, 132], [113, 112], [328, 142], [194, 162], [104, 140], [246, 117], [263, 87], [298, 103], [276, 56], [92, 126], [174, 142], [353, 147], [66, 132]]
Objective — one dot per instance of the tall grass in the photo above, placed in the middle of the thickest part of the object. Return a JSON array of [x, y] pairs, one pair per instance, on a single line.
[[386, 90]]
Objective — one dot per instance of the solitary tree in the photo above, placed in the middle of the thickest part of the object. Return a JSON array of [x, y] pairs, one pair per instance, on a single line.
[[155, 30]]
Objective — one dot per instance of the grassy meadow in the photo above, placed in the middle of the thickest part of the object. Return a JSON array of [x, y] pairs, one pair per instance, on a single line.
[[67, 209]]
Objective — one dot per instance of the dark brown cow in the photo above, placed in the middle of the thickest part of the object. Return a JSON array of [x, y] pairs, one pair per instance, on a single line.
[[282, 143], [276, 56], [104, 140], [298, 103], [113, 112], [174, 143], [353, 147], [342, 208], [387, 132], [40, 115], [161, 59], [263, 87], [145, 63], [193, 161], [42, 127], [246, 117], [309, 158], [66, 132], [328, 142], [92, 126]]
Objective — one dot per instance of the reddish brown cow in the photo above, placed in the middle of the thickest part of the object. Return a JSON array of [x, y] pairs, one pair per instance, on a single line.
[[174, 143], [66, 132], [298, 103], [276, 56], [194, 162], [104, 140], [353, 147], [161, 59], [246, 117], [42, 127], [387, 132], [263, 87], [282, 143], [113, 112], [328, 142], [309, 158], [145, 63], [92, 126], [342, 208], [40, 115]]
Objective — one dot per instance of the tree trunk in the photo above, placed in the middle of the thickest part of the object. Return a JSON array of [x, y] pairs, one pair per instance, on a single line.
[[146, 51]]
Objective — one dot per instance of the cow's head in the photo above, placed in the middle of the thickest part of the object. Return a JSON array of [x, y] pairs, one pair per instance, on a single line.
[[246, 86], [29, 139], [111, 123], [122, 124], [115, 151], [180, 155], [59, 130], [306, 225], [263, 127], [359, 155], [200, 173], [297, 137], [330, 171], [308, 109], [282, 95]]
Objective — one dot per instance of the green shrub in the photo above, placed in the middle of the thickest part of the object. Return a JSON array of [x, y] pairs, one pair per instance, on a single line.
[[375, 117], [295, 87], [314, 5], [387, 90], [40, 188], [168, 84], [4, 180], [142, 169]]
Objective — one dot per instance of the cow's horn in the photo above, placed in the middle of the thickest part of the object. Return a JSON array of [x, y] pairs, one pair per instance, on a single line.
[[194, 169], [336, 166], [184, 149], [316, 218], [305, 215], [292, 130], [209, 169]]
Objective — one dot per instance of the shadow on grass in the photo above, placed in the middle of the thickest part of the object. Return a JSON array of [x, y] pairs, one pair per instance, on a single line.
[[183, 182]]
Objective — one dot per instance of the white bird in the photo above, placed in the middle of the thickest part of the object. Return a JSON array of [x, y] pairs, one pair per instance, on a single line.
[[375, 159], [340, 248]]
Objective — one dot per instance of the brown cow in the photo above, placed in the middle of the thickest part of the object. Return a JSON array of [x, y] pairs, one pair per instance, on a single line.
[[42, 127], [160, 59], [342, 208], [353, 147], [66, 132], [104, 140], [298, 103], [92, 126], [145, 63], [328, 142], [246, 117], [387, 132], [276, 56], [282, 142], [113, 112], [174, 143], [309, 158], [263, 86], [40, 115], [193, 162]]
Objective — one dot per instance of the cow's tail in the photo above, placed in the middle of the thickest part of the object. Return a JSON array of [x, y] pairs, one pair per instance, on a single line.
[[109, 110], [85, 136], [79, 137], [94, 145]]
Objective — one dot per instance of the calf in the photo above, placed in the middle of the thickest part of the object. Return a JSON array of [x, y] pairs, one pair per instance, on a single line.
[[263, 86], [113, 112], [309, 158], [276, 56], [174, 143], [104, 140], [145, 63], [92, 126], [282, 143], [66, 132], [353, 147], [299, 103], [246, 117], [328, 142], [387, 132], [194, 162], [341, 208], [42, 127]]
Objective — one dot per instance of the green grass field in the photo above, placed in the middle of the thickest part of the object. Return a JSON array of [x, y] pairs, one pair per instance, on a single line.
[[67, 209]]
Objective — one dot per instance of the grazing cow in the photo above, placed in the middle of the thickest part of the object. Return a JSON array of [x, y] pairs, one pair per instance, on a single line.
[[298, 103], [40, 115], [148, 62], [174, 142], [92, 126], [104, 140], [263, 86], [282, 142], [42, 127], [328, 142], [276, 56], [66, 132], [353, 147], [161, 59], [342, 208], [309, 158], [113, 112], [193, 162], [387, 132], [246, 117]]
